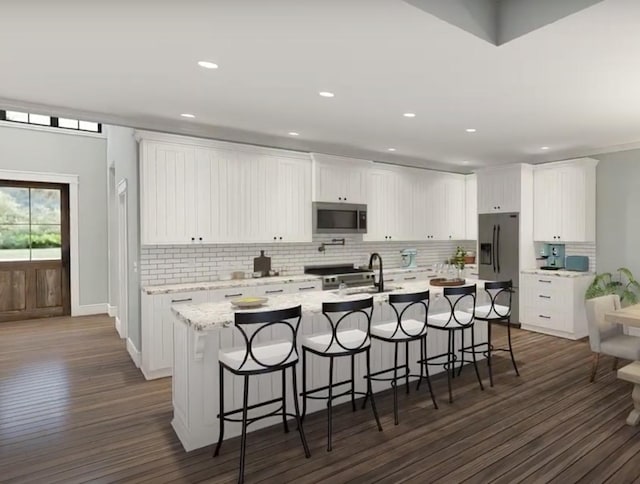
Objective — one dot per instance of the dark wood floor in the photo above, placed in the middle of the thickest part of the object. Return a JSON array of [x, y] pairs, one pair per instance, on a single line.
[[73, 408]]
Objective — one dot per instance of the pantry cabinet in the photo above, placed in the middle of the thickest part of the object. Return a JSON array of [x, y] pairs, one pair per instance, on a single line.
[[339, 179], [565, 201], [196, 191]]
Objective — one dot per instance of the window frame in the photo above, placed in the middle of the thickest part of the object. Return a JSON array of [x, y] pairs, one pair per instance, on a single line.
[[53, 122]]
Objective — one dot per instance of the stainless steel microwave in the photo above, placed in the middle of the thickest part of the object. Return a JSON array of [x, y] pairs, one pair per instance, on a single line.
[[339, 218]]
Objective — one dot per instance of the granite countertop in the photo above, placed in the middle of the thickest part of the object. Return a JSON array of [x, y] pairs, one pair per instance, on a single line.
[[558, 273], [206, 286], [209, 316]]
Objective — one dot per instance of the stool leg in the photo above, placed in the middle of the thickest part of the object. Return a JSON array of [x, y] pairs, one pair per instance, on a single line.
[[489, 353], [406, 366], [221, 416], [394, 383], [450, 368], [243, 439], [284, 401], [461, 353], [329, 426], [304, 383], [473, 353], [426, 367], [513, 358], [423, 363], [370, 390], [353, 384], [297, 407]]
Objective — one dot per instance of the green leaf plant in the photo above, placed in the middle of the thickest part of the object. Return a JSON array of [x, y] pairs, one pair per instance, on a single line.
[[622, 283]]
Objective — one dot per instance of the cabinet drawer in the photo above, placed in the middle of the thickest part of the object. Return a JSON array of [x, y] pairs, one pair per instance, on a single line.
[[550, 318], [220, 295], [306, 287]]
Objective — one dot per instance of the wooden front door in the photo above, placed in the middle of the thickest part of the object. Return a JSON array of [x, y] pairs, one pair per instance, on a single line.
[[34, 250]]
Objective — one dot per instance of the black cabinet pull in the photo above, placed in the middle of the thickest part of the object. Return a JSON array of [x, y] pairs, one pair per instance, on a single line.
[[544, 317], [280, 238], [200, 238], [274, 291], [275, 238], [542, 280], [339, 198], [233, 295], [182, 300], [410, 278], [544, 297], [193, 238], [345, 199], [306, 288]]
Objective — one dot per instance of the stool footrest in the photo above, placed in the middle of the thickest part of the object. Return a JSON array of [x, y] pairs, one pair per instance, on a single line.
[[276, 412], [309, 393], [374, 376]]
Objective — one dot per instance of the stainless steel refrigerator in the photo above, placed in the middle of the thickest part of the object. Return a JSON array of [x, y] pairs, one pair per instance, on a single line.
[[499, 252]]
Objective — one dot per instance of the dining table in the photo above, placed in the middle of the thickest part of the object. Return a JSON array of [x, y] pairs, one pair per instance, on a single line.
[[630, 317]]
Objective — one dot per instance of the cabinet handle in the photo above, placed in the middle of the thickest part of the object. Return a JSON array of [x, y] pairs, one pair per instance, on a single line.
[[275, 238], [389, 280], [182, 300], [280, 238], [544, 317], [274, 291], [410, 278], [542, 280], [192, 239], [544, 297], [306, 288], [199, 238], [345, 199], [339, 198], [233, 295]]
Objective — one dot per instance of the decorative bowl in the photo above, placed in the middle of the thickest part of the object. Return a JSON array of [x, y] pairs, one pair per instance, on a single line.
[[249, 302]]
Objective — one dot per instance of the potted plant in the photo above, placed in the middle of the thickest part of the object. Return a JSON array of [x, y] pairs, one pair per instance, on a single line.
[[459, 259], [622, 283]]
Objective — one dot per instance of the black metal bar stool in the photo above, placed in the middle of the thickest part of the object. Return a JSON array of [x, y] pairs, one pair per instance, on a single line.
[[257, 359], [457, 319], [403, 330], [500, 291], [335, 344]]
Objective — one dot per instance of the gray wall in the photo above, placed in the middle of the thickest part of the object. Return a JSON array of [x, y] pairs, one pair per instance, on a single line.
[[49, 152], [618, 211], [122, 154]]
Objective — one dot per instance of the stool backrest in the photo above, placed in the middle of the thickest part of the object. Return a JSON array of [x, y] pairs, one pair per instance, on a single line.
[[251, 324], [458, 298], [416, 299], [350, 309], [499, 293]]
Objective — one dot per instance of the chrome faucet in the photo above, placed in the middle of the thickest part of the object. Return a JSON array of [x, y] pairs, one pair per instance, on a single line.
[[380, 283]]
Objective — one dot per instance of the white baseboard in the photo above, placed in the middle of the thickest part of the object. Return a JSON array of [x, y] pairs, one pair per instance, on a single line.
[[153, 374], [134, 353], [89, 309], [119, 328], [112, 311]]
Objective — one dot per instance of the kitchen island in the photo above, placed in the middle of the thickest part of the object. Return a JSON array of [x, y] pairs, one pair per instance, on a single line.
[[202, 330]]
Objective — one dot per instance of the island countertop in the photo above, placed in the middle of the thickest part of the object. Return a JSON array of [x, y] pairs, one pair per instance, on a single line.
[[209, 316]]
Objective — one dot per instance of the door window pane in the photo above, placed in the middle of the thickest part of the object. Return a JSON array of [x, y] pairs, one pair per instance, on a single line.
[[89, 126], [14, 242], [45, 206], [14, 205], [40, 119], [18, 116], [68, 123], [46, 242]]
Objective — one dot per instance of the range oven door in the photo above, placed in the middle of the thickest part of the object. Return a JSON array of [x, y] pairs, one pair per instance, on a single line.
[[339, 218]]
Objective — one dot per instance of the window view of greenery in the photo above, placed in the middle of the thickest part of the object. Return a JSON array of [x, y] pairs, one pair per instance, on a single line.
[[30, 224]]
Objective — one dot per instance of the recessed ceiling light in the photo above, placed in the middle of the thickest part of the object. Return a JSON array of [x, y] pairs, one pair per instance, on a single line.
[[409, 115], [466, 162], [293, 133], [471, 130], [326, 94], [544, 148], [187, 115], [391, 149], [208, 64]]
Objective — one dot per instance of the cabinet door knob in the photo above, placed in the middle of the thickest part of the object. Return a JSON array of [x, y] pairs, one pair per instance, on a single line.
[[280, 238], [345, 199], [339, 198], [199, 238], [193, 238], [275, 238]]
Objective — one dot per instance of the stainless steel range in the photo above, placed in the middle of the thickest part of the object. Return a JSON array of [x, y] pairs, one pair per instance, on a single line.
[[333, 275]]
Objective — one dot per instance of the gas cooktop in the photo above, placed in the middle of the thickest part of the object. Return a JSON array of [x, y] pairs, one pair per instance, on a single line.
[[333, 270], [333, 276]]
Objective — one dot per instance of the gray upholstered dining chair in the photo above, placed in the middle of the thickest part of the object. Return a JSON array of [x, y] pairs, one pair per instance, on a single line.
[[607, 338]]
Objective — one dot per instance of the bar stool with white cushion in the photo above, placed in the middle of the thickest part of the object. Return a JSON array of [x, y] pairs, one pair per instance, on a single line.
[[403, 330], [255, 358], [338, 343], [499, 291], [462, 303]]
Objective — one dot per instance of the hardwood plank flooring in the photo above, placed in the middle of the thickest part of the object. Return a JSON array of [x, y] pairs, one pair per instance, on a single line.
[[73, 408]]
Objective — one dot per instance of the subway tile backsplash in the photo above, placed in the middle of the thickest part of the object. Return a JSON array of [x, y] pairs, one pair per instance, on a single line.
[[175, 264]]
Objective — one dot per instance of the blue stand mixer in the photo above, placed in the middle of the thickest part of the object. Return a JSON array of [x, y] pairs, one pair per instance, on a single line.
[[409, 258]]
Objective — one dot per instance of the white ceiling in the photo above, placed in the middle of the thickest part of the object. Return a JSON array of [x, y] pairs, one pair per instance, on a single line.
[[573, 85]]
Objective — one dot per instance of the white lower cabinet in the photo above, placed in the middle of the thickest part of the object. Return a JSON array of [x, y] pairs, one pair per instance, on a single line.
[[157, 318], [554, 304]]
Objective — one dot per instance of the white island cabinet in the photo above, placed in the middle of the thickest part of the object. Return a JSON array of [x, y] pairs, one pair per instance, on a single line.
[[201, 331]]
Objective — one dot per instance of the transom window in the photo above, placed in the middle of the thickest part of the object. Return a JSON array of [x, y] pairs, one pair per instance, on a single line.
[[51, 121]]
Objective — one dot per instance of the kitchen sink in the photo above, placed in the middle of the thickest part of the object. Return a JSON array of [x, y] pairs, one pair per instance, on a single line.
[[367, 290]]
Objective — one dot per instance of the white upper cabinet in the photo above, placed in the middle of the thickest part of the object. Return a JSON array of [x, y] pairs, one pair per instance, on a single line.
[[565, 201], [471, 207], [168, 196], [383, 208], [339, 179], [499, 189], [202, 191], [454, 210]]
